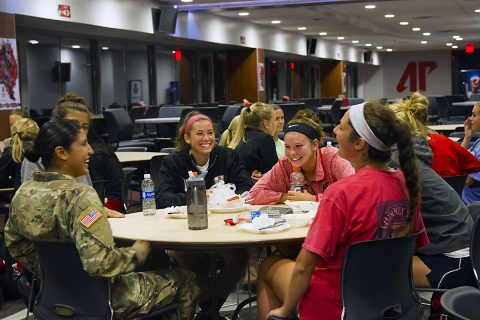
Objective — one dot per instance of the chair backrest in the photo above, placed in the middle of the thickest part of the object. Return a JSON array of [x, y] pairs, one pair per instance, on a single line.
[[336, 112], [461, 303], [231, 112], [131, 149], [377, 280], [475, 97], [100, 186], [474, 209], [444, 107], [119, 125], [66, 288], [354, 101], [155, 164], [475, 250], [290, 109], [170, 112], [432, 106], [457, 182]]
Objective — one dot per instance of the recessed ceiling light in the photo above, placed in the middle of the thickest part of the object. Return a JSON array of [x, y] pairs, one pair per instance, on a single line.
[[340, 38], [323, 33], [449, 44], [173, 51], [76, 46], [389, 50], [243, 14], [423, 42], [477, 10], [187, 0], [33, 41], [368, 44], [379, 47], [389, 16], [404, 23], [355, 41], [454, 47], [416, 29], [302, 28], [370, 6], [276, 21], [458, 39], [426, 33], [105, 48], [454, 37]]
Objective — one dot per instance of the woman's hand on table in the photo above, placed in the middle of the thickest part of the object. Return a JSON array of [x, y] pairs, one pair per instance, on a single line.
[[143, 250], [114, 214], [300, 196]]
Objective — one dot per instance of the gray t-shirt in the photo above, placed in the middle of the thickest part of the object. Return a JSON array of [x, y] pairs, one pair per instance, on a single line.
[[28, 168]]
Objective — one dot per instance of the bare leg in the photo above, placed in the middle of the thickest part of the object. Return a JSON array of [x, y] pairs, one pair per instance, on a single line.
[[420, 272], [272, 284]]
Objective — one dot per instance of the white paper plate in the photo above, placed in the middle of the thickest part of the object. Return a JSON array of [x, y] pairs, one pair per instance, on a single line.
[[229, 210], [303, 206], [248, 227], [298, 220], [177, 216]]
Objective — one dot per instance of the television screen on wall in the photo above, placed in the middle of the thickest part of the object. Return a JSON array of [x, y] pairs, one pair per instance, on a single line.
[[164, 19]]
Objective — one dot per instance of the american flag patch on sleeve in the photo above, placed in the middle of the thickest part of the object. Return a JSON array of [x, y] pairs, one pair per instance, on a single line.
[[90, 217]]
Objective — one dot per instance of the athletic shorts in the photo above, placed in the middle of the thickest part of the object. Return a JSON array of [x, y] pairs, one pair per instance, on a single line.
[[447, 273]]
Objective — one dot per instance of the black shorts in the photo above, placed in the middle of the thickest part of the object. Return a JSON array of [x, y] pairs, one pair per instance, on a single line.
[[447, 273]]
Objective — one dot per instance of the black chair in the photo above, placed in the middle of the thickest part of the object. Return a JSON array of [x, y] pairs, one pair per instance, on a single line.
[[128, 173], [155, 164], [457, 182], [290, 109], [475, 250], [99, 186], [131, 149], [231, 112], [68, 292], [120, 130], [462, 303], [377, 280], [474, 97], [474, 209]]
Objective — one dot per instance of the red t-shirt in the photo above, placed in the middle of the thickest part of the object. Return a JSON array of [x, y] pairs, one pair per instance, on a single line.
[[370, 204], [450, 158]]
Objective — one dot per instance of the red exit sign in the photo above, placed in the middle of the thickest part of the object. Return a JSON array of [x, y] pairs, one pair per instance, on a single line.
[[64, 11]]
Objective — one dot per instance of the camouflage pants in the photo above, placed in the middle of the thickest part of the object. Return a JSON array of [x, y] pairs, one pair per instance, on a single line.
[[140, 292]]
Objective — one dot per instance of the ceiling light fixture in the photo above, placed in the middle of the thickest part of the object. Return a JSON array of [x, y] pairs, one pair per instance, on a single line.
[[477, 10], [454, 37], [423, 42], [76, 46], [449, 44], [370, 6], [302, 28], [389, 16], [379, 47], [323, 33], [355, 41], [368, 44], [243, 14], [276, 21], [454, 47], [426, 33], [105, 48], [416, 29], [187, 0], [389, 50], [33, 41], [404, 23], [459, 39], [340, 38]]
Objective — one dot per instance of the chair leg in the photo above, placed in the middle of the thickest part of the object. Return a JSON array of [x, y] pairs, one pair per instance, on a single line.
[[30, 298]]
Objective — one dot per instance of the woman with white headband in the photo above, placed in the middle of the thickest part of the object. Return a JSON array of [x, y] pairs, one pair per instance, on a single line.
[[382, 200]]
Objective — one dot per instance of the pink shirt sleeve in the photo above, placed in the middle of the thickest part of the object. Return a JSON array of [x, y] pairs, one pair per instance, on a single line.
[[339, 167], [271, 186]]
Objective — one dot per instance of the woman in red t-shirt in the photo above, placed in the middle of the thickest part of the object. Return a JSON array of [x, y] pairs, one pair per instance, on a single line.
[[346, 216]]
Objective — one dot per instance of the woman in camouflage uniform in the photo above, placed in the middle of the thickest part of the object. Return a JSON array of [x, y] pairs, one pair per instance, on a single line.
[[55, 207]]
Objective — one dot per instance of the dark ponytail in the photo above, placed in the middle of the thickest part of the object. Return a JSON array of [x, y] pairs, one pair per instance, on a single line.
[[54, 133]]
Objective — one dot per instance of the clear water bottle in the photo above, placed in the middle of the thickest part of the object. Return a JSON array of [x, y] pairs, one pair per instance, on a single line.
[[297, 180], [197, 203], [148, 196]]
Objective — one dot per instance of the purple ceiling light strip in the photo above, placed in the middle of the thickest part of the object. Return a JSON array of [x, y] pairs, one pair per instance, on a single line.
[[250, 4]]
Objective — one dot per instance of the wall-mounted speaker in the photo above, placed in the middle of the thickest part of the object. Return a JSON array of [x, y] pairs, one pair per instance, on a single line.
[[164, 19], [311, 45], [367, 56]]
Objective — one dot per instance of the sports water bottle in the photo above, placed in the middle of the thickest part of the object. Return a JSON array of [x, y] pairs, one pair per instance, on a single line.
[[148, 196], [196, 203], [297, 180]]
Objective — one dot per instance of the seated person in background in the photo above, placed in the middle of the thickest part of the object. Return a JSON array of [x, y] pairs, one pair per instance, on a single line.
[[320, 166], [390, 210], [253, 140], [449, 158], [73, 107], [228, 134], [445, 262], [196, 151], [280, 123], [13, 116], [471, 192], [64, 151]]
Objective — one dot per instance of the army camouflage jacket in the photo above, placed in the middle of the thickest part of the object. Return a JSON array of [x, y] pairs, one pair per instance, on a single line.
[[54, 207]]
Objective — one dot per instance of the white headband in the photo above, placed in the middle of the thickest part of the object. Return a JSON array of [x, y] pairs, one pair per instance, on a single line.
[[357, 118]]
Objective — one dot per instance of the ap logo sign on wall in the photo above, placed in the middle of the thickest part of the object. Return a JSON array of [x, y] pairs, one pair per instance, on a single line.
[[415, 75]]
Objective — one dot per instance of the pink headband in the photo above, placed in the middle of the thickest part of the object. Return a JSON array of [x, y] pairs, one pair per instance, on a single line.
[[194, 119]]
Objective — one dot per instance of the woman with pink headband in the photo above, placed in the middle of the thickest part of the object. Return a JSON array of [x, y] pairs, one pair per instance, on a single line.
[[377, 202], [196, 150]]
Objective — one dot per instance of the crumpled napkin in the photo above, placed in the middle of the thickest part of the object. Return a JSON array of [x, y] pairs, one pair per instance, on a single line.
[[264, 222], [176, 210]]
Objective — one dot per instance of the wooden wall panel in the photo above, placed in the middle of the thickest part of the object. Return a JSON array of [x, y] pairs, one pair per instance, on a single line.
[[7, 30], [331, 78], [242, 75], [297, 81], [186, 78]]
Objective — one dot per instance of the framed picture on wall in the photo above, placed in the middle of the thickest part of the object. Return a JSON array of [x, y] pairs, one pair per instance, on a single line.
[[135, 91]]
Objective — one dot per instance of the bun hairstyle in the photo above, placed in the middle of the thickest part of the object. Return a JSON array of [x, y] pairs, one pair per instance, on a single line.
[[24, 132], [390, 130], [309, 118], [414, 111], [251, 117], [70, 101], [181, 144], [54, 133]]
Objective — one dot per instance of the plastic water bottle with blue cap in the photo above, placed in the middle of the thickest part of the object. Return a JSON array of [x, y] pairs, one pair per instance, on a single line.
[[148, 196]]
